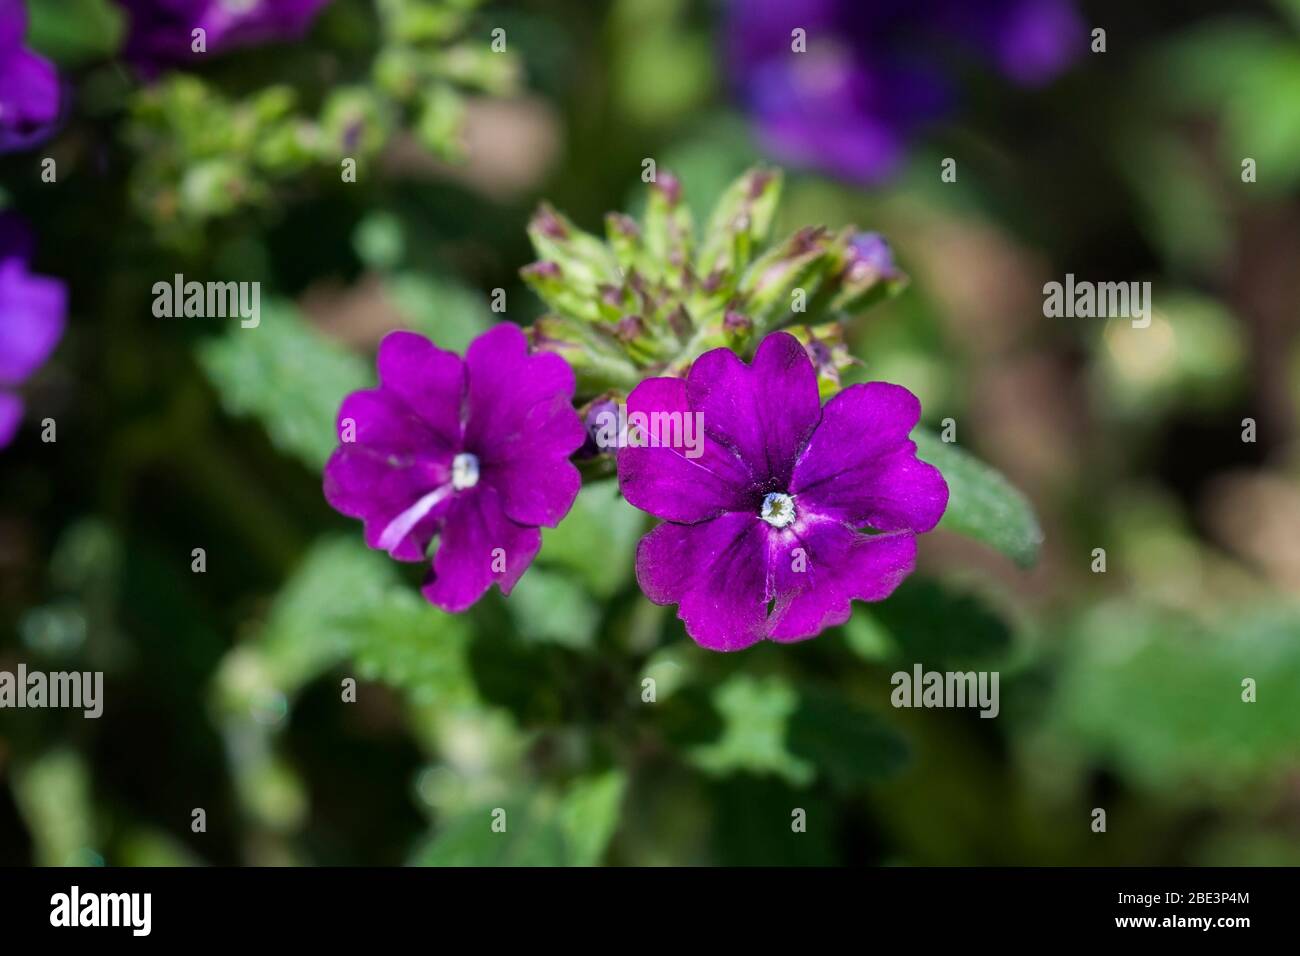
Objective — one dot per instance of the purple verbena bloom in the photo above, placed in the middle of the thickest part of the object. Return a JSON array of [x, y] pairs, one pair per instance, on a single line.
[[473, 452], [790, 510], [162, 30], [32, 315], [874, 74], [29, 84]]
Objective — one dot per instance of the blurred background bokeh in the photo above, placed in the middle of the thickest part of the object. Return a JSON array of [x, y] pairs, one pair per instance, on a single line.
[[1120, 689]]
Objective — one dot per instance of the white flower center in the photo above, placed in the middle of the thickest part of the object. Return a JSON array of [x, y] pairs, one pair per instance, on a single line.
[[464, 471], [777, 510]]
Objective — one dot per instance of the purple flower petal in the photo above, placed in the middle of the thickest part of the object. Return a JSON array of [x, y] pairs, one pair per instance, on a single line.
[[716, 572], [13, 25], [838, 565], [871, 251], [1036, 39], [479, 545], [161, 30], [522, 425], [430, 381], [32, 310], [29, 84], [11, 413], [665, 481], [861, 468], [29, 99], [818, 109], [363, 481], [763, 413]]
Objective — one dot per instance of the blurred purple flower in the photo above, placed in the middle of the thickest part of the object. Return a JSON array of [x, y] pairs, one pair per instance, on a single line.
[[474, 452], [876, 71], [761, 535], [162, 30], [32, 314], [29, 84], [870, 252]]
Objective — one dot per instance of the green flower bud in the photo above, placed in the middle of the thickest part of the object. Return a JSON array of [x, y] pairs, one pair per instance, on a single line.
[[741, 221], [587, 262], [830, 355], [354, 122], [645, 296], [669, 232], [598, 360], [778, 286]]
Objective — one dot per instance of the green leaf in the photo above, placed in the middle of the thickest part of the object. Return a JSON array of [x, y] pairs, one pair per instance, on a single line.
[[597, 539], [850, 745], [531, 837], [1247, 73], [379, 241], [756, 712], [73, 32], [347, 600], [866, 636], [410, 645], [982, 504], [54, 796], [932, 624], [288, 376], [538, 829], [1159, 694], [549, 607], [589, 814], [310, 624], [146, 846]]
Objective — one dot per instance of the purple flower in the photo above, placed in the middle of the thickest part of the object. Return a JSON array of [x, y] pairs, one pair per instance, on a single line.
[[29, 84], [162, 30], [474, 452], [870, 254], [32, 310], [598, 413], [790, 510], [873, 74]]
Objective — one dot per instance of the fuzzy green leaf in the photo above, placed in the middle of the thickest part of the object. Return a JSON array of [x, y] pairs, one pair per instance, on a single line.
[[982, 504], [288, 376]]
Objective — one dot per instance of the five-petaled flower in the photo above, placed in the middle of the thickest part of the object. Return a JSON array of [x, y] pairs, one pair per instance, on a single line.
[[793, 509], [32, 315], [473, 452], [29, 85]]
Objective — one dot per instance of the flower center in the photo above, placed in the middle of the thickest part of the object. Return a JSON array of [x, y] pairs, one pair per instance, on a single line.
[[464, 471], [777, 510]]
